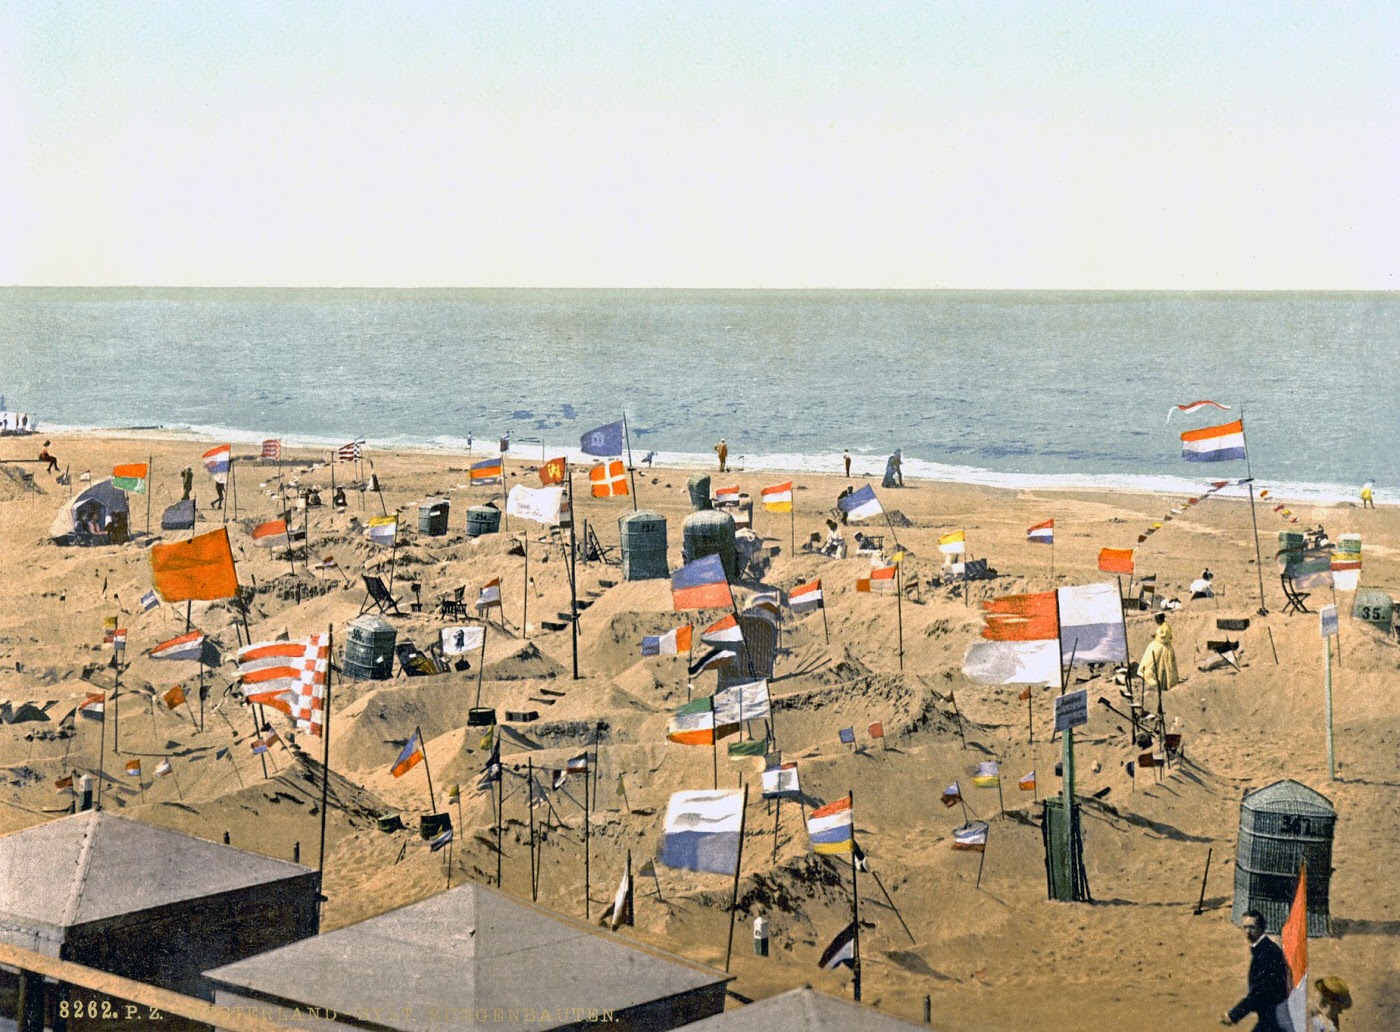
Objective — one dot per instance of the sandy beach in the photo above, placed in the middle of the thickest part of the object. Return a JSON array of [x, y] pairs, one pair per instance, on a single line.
[[996, 957]]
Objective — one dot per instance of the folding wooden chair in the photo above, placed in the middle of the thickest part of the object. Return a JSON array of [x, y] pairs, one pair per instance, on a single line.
[[377, 596], [415, 663], [1297, 600], [453, 605]]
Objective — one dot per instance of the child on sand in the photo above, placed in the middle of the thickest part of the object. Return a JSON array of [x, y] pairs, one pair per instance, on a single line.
[[44, 456]]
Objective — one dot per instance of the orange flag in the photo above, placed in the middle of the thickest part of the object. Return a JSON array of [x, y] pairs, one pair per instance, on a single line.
[[199, 569], [1116, 560], [174, 697]]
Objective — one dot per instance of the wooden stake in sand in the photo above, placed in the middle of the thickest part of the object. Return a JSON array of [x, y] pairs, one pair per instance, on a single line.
[[1201, 903]]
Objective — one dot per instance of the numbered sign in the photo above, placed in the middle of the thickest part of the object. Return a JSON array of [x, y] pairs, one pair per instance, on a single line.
[[1327, 620], [1071, 710]]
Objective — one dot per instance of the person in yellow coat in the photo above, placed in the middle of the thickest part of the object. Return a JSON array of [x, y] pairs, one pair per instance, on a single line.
[[1158, 663], [1367, 495]]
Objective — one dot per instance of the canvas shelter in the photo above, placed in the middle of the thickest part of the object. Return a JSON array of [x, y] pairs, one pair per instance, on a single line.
[[760, 646], [92, 517], [145, 902], [439, 963], [804, 1009]]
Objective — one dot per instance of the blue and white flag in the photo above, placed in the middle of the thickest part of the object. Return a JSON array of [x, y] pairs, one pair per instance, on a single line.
[[149, 601], [605, 441], [441, 840], [861, 505], [702, 831]]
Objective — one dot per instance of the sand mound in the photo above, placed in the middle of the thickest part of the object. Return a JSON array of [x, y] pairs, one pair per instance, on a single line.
[[526, 664]]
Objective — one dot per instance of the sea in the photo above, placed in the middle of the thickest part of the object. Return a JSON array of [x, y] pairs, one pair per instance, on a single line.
[[1004, 388]]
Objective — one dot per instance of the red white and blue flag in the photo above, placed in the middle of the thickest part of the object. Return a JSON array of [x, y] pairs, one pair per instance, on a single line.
[[216, 461], [1214, 443], [721, 631], [1194, 406], [1041, 533], [806, 596], [701, 584], [671, 643], [187, 646]]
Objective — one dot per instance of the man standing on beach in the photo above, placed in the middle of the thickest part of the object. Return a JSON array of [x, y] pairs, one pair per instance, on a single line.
[[722, 450], [846, 455], [1268, 978], [187, 482]]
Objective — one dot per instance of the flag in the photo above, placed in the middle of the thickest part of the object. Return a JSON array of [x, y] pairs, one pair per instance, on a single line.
[[860, 505], [953, 544], [94, 706], [491, 770], [437, 842], [133, 768], [383, 530], [722, 632], [1346, 570], [847, 735], [765, 603], [217, 460], [701, 831], [174, 697], [1147, 760], [830, 827], [727, 494], [1027, 783], [1294, 940], [577, 764], [714, 658], [259, 747], [200, 569], [604, 441], [328, 563], [457, 640], [119, 639], [65, 782], [272, 449], [505, 443], [778, 498], [85, 476], [952, 795], [881, 579], [877, 730], [490, 594], [1116, 560], [842, 950], [608, 479], [487, 471], [1194, 406], [149, 601], [1025, 695], [454, 791], [540, 504], [988, 775], [1030, 636], [806, 596], [410, 757], [694, 724], [186, 646], [1041, 533], [740, 702], [1214, 443], [554, 471], [289, 676], [488, 740], [620, 910], [130, 477], [163, 768], [701, 584], [781, 781], [971, 836], [671, 643], [109, 629], [752, 747], [348, 452]]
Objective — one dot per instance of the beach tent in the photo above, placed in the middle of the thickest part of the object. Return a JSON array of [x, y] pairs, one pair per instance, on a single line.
[[179, 516], [87, 519]]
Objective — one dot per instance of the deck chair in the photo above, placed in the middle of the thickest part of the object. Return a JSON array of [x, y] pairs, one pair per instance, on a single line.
[[415, 663], [871, 544], [453, 605], [377, 596], [1297, 600]]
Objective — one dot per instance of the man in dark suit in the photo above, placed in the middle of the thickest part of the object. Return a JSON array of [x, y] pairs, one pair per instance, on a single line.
[[1268, 978]]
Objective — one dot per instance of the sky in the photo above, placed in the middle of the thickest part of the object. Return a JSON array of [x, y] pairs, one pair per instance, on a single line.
[[998, 145]]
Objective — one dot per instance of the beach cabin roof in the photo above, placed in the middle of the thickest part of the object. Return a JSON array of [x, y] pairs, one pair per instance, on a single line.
[[424, 966], [803, 1010]]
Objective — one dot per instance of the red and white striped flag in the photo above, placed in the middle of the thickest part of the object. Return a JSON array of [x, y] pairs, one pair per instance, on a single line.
[[289, 676], [272, 449], [348, 452]]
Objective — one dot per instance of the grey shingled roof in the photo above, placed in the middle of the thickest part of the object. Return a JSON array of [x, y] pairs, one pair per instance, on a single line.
[[1288, 796], [427, 964], [802, 1010], [91, 866]]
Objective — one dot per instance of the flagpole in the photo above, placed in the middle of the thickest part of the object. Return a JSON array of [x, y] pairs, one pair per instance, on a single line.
[[738, 866], [529, 805], [587, 847], [102, 753], [899, 607], [777, 817], [393, 556], [150, 488], [500, 806], [573, 569], [525, 591], [982, 859], [1066, 766], [826, 628], [257, 733], [432, 799], [1249, 474], [481, 663], [287, 526], [223, 507], [626, 436], [714, 740], [855, 899], [325, 762]]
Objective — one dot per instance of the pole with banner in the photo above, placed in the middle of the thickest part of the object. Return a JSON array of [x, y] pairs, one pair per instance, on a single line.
[[1327, 619], [1071, 711]]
